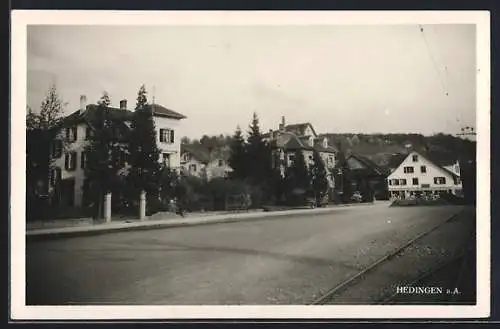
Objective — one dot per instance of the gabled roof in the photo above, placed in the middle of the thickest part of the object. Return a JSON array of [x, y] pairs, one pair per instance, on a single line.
[[369, 164], [162, 111], [288, 141], [395, 160], [201, 153], [432, 158], [116, 114], [318, 146], [300, 128]]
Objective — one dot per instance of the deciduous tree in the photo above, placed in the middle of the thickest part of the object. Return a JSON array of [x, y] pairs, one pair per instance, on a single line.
[[318, 173]]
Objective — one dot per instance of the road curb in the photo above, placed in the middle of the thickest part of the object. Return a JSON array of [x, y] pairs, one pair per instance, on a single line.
[[49, 234]]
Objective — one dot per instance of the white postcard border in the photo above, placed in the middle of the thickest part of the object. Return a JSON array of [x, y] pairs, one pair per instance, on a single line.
[[21, 18]]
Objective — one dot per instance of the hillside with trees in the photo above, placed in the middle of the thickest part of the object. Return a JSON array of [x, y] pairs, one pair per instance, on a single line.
[[379, 148]]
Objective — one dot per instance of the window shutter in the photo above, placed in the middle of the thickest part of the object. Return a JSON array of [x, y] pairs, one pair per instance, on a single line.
[[66, 161], [171, 136], [55, 176], [82, 160], [161, 135], [75, 133]]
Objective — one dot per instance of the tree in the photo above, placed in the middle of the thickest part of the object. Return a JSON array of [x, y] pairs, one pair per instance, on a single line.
[[104, 154], [319, 181], [297, 178], [342, 175], [144, 152], [41, 137], [168, 180], [257, 153], [237, 156]]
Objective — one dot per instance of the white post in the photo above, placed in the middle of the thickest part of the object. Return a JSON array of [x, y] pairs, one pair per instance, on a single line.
[[142, 213], [107, 207]]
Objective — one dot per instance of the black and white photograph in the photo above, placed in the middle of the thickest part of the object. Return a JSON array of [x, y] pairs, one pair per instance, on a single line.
[[250, 165]]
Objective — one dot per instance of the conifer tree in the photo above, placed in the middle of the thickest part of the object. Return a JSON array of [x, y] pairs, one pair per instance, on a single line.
[[103, 154], [144, 152], [257, 153], [237, 157]]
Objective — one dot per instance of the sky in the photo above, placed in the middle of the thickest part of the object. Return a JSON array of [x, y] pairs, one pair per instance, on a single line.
[[352, 78]]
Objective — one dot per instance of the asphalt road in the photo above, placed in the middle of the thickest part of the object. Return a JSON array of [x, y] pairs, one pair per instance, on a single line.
[[289, 260]]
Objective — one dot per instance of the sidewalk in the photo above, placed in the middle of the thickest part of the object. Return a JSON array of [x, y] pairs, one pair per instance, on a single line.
[[166, 220]]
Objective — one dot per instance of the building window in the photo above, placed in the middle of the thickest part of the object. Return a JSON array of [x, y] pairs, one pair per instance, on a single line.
[[425, 186], [395, 182], [55, 176], [456, 180], [57, 149], [408, 170], [414, 158], [439, 180], [192, 167], [390, 181], [83, 160], [70, 161], [415, 181], [166, 136], [221, 163], [291, 159], [122, 158], [71, 134], [402, 181], [423, 169], [166, 159]]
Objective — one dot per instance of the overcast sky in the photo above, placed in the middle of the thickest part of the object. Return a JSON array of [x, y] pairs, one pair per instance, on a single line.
[[340, 78]]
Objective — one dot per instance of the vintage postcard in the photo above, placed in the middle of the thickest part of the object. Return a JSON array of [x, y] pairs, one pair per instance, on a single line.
[[250, 165]]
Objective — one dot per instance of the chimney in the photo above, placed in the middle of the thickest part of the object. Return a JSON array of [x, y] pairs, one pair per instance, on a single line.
[[83, 103], [271, 134], [282, 124], [123, 104]]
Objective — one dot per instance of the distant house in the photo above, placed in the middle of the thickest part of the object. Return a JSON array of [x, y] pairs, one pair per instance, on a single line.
[[367, 177], [419, 174], [288, 138], [199, 161], [67, 181]]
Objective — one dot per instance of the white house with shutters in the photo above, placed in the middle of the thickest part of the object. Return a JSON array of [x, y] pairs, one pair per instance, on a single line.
[[417, 175], [67, 179]]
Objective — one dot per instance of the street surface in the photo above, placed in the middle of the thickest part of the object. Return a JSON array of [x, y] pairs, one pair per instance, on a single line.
[[290, 260]]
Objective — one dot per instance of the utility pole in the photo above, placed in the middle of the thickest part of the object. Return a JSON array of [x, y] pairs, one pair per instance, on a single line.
[[467, 160]]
